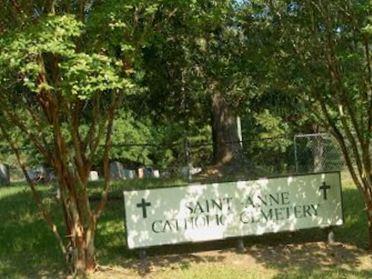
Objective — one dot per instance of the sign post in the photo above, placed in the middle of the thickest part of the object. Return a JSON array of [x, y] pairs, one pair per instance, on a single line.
[[216, 211]]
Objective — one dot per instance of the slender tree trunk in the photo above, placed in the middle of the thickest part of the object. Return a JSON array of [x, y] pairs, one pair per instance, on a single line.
[[318, 154], [369, 220], [227, 148], [318, 150]]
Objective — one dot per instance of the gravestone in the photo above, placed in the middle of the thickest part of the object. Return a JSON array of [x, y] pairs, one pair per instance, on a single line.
[[39, 174], [129, 174], [165, 174], [156, 173], [32, 175], [132, 174], [185, 172], [141, 172], [195, 170], [93, 176], [116, 170], [43, 173], [204, 212], [4, 174], [149, 172]]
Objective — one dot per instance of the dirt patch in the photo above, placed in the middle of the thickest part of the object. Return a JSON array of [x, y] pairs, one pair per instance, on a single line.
[[268, 261]]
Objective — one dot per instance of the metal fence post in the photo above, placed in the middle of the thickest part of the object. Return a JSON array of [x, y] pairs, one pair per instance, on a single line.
[[295, 154], [188, 161]]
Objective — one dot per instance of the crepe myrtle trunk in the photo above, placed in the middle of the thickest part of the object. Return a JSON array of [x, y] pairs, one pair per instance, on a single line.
[[80, 255], [79, 219], [81, 248], [77, 244], [369, 220], [227, 148]]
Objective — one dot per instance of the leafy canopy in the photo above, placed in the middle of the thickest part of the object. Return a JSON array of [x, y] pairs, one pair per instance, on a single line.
[[25, 52]]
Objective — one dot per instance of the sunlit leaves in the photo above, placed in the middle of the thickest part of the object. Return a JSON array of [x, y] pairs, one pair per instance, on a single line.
[[87, 74], [54, 40]]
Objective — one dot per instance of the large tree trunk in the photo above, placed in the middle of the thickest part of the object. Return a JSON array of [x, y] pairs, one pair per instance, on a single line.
[[227, 148]]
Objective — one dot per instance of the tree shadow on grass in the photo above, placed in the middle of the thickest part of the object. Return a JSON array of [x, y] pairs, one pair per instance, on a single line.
[[299, 256], [28, 248], [314, 260], [311, 260], [355, 230], [112, 250]]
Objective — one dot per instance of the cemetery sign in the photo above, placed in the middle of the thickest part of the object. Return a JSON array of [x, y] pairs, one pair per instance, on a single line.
[[231, 209]]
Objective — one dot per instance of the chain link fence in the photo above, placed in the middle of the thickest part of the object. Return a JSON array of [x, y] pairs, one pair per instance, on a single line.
[[316, 153], [198, 161]]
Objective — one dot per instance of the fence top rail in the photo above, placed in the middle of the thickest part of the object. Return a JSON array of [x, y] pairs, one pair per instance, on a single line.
[[311, 135]]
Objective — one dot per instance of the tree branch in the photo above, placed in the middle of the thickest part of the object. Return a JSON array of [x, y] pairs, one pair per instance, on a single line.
[[35, 193], [116, 100]]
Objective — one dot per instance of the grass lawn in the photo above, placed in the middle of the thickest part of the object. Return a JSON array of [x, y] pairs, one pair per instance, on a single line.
[[29, 250]]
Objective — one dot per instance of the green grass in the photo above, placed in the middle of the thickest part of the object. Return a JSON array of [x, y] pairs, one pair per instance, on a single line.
[[28, 248]]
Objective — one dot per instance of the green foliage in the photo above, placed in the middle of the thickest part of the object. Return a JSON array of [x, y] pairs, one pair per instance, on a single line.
[[128, 131], [88, 74], [21, 48], [25, 53], [272, 127]]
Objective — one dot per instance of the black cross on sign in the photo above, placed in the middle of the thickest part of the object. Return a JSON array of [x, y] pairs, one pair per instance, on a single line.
[[324, 187], [144, 204]]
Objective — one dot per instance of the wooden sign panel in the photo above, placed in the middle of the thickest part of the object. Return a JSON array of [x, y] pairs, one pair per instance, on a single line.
[[221, 210]]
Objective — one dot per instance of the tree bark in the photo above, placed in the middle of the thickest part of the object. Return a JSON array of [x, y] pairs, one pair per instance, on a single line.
[[83, 259], [369, 220], [80, 222], [318, 150], [318, 154], [227, 148]]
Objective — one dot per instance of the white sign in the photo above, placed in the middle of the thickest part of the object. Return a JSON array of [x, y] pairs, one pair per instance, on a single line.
[[221, 210]]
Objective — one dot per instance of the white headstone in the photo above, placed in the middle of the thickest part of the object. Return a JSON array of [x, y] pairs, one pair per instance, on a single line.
[[195, 170], [156, 173], [141, 172], [93, 176]]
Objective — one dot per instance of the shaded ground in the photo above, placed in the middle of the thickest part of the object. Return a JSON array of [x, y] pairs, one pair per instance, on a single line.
[[308, 260]]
